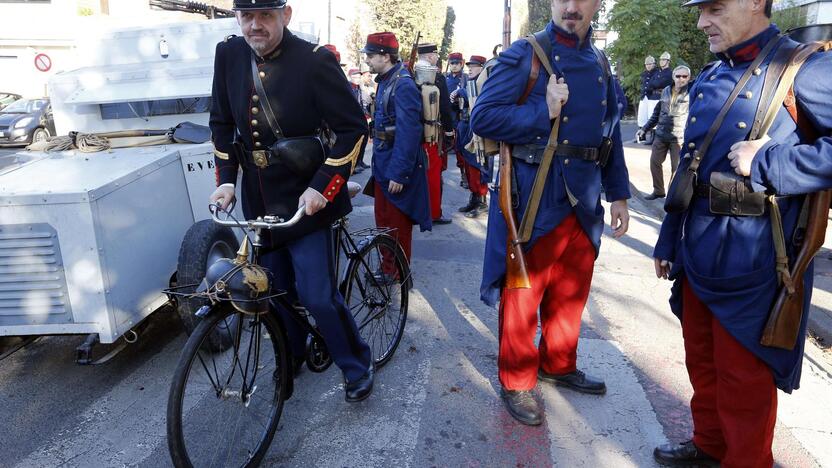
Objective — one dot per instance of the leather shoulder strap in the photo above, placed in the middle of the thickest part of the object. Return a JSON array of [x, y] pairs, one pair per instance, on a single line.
[[717, 123], [264, 99]]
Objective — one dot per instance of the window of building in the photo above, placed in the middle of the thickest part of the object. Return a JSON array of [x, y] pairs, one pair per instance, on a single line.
[[142, 109]]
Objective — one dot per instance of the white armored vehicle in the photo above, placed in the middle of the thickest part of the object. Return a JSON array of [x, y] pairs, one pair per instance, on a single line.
[[88, 241]]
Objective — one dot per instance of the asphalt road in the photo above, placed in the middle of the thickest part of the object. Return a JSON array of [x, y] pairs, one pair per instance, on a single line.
[[8, 151], [436, 403]]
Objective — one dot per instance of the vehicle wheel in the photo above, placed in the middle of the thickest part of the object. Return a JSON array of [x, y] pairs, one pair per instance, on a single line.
[[224, 408], [204, 243], [41, 134], [378, 281]]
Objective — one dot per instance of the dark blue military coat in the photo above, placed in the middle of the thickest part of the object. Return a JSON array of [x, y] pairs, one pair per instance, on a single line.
[[591, 104], [404, 160], [306, 87], [454, 83], [729, 262], [465, 134], [646, 89], [659, 81]]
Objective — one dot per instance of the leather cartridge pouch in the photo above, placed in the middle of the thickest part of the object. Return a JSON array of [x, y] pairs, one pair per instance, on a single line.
[[681, 191], [301, 155], [604, 151], [732, 195]]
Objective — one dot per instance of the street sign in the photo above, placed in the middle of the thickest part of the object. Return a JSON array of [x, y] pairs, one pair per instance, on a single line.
[[43, 62]]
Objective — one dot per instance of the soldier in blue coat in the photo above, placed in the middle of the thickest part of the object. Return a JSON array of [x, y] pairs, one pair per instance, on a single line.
[[399, 172], [724, 267], [477, 172], [457, 81], [305, 87], [560, 256]]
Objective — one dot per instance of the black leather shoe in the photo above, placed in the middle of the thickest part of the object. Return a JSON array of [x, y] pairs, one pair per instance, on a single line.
[[361, 388], [522, 406], [442, 221], [683, 454], [473, 202], [654, 196], [577, 381]]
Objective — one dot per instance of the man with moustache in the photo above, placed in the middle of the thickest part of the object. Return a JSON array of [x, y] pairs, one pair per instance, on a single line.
[[302, 87], [724, 267], [400, 179], [566, 235]]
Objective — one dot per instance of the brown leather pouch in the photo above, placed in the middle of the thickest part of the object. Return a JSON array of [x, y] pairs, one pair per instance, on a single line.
[[732, 195]]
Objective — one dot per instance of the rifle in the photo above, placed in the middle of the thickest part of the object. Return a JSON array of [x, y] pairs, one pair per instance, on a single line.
[[783, 325], [209, 11], [414, 53], [517, 275]]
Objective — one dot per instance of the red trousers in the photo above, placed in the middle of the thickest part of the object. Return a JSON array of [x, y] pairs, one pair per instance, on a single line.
[[475, 184], [560, 269], [389, 216], [734, 402], [434, 179]]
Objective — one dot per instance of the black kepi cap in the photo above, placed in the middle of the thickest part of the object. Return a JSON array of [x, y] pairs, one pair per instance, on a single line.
[[426, 48], [691, 3], [258, 4]]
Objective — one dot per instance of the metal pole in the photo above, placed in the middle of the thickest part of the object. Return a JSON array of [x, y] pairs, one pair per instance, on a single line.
[[507, 25], [329, 22]]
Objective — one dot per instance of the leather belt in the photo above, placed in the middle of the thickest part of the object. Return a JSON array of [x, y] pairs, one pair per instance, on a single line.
[[261, 158], [383, 136], [533, 154], [587, 153]]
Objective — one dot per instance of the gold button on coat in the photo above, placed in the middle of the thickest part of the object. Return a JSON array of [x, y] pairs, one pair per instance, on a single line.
[[748, 94], [693, 120], [262, 74], [700, 96], [741, 125], [256, 134], [257, 144], [757, 71], [254, 122], [691, 145], [255, 98], [565, 118], [255, 110], [565, 142]]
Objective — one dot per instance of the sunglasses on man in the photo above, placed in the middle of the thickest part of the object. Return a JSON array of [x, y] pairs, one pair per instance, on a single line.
[[682, 76]]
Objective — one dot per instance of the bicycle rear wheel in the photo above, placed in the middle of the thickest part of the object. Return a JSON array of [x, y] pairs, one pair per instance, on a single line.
[[377, 295], [224, 404]]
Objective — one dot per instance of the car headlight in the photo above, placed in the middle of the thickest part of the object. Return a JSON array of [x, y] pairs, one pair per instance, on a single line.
[[24, 122]]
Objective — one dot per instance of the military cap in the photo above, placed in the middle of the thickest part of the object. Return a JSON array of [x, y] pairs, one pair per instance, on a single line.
[[426, 48], [649, 59], [258, 4], [455, 57], [381, 43], [664, 56], [334, 51], [476, 60]]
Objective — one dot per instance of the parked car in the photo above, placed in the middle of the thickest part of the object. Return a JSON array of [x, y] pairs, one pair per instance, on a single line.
[[25, 121], [8, 98]]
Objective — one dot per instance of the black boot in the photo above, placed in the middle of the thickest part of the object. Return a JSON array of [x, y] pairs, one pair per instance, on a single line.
[[683, 454], [522, 406], [576, 380], [482, 207], [361, 388], [473, 202]]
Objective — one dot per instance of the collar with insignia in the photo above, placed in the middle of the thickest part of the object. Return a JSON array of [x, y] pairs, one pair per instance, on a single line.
[[567, 39], [748, 50]]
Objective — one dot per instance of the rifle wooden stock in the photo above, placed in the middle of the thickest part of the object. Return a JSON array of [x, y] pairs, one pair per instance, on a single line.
[[783, 324], [517, 275]]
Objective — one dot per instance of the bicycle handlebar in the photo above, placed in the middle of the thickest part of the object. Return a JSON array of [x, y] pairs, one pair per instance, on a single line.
[[265, 222]]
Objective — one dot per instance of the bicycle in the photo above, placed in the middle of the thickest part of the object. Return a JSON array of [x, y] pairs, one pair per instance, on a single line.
[[235, 364]]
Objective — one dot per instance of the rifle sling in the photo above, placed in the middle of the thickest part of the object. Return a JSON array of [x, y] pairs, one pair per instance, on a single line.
[[533, 204], [264, 99]]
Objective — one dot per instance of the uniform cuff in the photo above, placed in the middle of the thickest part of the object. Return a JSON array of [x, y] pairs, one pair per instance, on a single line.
[[332, 187]]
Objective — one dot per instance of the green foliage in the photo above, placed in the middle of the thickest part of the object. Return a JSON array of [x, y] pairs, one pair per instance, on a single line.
[[789, 16], [405, 18], [85, 11], [540, 13], [448, 31], [650, 27]]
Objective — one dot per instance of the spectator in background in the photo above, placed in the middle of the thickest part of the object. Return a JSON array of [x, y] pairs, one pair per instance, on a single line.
[[362, 95], [646, 101], [669, 119]]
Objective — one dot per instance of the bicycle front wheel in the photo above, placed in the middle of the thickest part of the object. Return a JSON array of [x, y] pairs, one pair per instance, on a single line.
[[377, 295], [224, 404]]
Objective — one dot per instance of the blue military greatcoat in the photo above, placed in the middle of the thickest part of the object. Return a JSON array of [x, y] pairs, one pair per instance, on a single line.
[[403, 160], [465, 134], [573, 185], [729, 262]]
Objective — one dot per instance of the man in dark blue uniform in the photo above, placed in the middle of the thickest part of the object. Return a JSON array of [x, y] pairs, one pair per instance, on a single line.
[[399, 172], [566, 235], [724, 267], [302, 86], [646, 101], [457, 80], [475, 169]]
